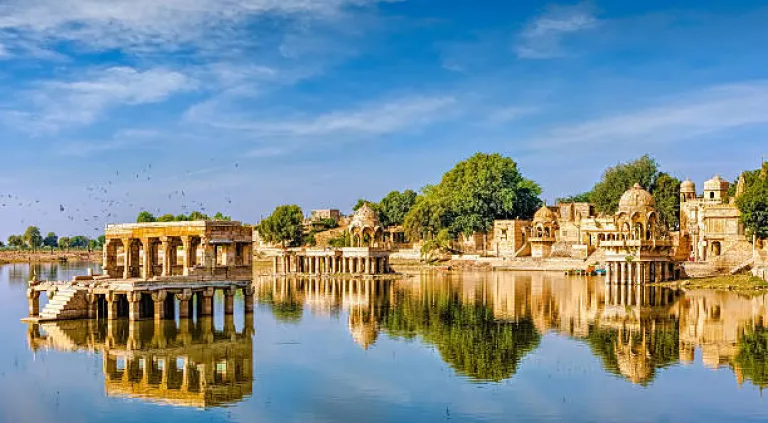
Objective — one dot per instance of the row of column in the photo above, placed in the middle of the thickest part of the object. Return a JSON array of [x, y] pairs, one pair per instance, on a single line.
[[640, 272], [231, 255], [286, 264], [626, 295], [162, 303]]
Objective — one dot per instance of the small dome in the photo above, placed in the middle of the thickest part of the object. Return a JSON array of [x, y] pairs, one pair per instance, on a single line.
[[636, 197], [688, 186], [716, 184], [544, 214], [365, 217]]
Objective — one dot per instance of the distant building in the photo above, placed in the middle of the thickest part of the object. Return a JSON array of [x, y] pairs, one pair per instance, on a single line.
[[323, 214], [711, 224]]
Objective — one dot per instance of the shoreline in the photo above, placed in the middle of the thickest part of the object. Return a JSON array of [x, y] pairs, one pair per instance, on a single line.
[[10, 257]]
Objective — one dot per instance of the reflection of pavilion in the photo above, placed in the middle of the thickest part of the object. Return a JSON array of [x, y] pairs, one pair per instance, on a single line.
[[634, 329], [365, 300], [189, 364]]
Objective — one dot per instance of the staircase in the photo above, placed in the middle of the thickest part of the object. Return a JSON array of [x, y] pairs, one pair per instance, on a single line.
[[67, 303]]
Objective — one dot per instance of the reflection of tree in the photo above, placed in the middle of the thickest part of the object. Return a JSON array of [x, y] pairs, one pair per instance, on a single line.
[[467, 336], [753, 355], [287, 310], [636, 352]]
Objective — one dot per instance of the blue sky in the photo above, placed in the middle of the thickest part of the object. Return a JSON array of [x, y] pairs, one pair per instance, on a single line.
[[108, 107]]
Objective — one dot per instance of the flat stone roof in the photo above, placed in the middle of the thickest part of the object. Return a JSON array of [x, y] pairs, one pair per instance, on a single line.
[[192, 223]]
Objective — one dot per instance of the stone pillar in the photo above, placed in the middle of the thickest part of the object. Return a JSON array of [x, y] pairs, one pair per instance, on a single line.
[[608, 272], [229, 301], [127, 250], [248, 292], [165, 246], [343, 264], [640, 274], [111, 298], [134, 306], [159, 302], [207, 304], [274, 264], [186, 244], [33, 296], [147, 262], [184, 308]]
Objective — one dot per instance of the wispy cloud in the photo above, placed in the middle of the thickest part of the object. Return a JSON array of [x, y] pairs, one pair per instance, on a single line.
[[150, 24], [542, 38], [125, 139], [52, 105], [694, 114], [511, 113], [371, 119]]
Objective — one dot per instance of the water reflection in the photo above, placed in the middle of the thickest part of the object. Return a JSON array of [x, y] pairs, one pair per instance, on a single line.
[[484, 324], [184, 363]]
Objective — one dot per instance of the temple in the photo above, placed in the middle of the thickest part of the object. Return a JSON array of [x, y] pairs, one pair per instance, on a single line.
[[366, 255], [145, 279]]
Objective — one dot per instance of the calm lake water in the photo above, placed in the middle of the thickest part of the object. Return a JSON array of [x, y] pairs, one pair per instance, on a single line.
[[437, 347]]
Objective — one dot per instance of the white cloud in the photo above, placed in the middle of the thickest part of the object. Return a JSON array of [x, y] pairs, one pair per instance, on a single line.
[[150, 24], [56, 104], [372, 119], [542, 38], [711, 110]]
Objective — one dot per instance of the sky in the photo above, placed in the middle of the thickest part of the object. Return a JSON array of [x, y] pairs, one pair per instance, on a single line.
[[110, 107]]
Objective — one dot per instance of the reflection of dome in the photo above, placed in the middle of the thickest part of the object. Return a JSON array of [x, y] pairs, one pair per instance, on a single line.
[[544, 214], [364, 333], [716, 184], [636, 197], [687, 186]]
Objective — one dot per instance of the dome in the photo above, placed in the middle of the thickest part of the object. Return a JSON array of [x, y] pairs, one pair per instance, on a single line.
[[365, 217], [636, 197], [688, 186], [544, 214], [716, 184]]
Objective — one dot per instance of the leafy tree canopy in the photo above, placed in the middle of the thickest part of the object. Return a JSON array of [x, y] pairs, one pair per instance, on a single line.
[[32, 237], [145, 217], [395, 205], [618, 179], [284, 225], [472, 195], [753, 204], [51, 240]]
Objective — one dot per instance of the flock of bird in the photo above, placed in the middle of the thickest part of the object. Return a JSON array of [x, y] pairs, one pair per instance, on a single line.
[[120, 197]]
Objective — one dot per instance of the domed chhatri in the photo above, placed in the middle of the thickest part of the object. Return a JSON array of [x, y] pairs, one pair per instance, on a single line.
[[716, 183], [635, 198], [544, 214], [688, 186], [364, 223]]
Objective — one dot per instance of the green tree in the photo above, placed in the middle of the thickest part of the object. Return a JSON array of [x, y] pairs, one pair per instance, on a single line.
[[166, 218], [284, 225], [51, 241], [618, 179], [578, 198], [145, 217], [16, 241], [472, 195], [666, 192], [219, 216], [78, 241], [395, 206], [753, 205], [196, 215], [64, 243], [33, 238], [102, 240]]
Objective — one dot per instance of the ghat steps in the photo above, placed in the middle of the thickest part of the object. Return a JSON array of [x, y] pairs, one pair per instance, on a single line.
[[67, 303]]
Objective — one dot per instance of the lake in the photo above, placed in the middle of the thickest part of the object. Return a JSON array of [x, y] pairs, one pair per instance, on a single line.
[[468, 347]]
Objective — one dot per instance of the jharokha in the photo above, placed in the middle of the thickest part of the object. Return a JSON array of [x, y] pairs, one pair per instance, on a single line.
[[153, 269]]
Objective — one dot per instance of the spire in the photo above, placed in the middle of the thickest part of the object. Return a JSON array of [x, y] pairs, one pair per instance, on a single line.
[[741, 186]]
